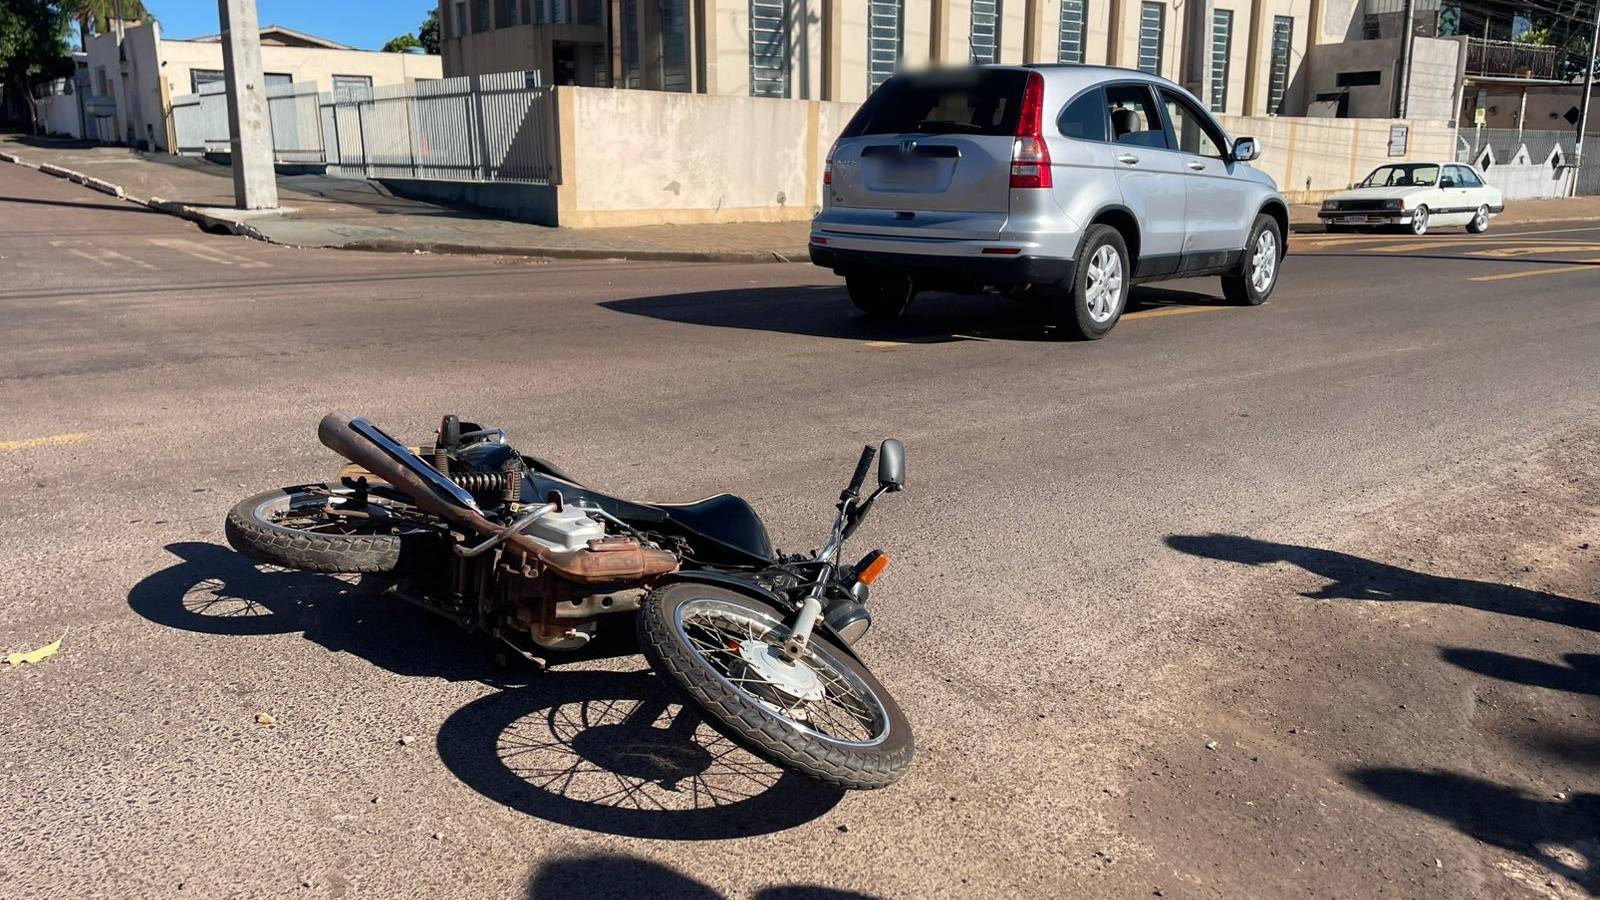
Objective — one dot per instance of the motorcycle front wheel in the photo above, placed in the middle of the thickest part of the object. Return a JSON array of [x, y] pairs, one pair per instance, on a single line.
[[824, 716]]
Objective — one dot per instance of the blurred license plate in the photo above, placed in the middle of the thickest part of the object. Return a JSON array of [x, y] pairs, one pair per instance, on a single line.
[[1367, 220], [909, 172]]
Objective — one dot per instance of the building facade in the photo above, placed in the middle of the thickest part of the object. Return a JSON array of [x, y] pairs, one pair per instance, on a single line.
[[131, 83], [1243, 57]]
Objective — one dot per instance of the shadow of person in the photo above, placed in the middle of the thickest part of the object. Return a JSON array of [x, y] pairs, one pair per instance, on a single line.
[[1356, 578], [596, 876], [1560, 835], [1580, 675], [619, 753], [214, 590]]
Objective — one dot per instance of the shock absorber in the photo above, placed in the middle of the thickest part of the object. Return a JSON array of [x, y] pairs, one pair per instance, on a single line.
[[479, 482], [511, 482]]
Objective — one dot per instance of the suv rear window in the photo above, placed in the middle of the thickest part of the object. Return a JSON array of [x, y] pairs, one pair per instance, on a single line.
[[982, 101]]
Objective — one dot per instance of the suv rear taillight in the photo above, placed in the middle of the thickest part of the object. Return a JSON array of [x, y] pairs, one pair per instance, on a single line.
[[827, 167], [1030, 158]]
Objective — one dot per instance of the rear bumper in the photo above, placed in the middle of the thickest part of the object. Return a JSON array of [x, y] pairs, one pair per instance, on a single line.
[[973, 271]]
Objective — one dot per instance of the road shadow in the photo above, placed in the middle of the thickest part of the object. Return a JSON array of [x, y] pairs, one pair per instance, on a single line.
[[1558, 834], [619, 753], [106, 205], [1580, 675], [600, 876], [826, 311], [1353, 577], [213, 590]]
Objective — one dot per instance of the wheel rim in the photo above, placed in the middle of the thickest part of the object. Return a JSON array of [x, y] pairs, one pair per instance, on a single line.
[[1481, 220], [1103, 290], [1264, 264], [1419, 220], [306, 511], [817, 695]]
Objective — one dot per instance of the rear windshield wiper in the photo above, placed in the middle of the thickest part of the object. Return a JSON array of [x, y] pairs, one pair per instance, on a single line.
[[945, 125]]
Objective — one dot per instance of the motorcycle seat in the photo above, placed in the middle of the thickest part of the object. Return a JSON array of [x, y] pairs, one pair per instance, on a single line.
[[724, 518]]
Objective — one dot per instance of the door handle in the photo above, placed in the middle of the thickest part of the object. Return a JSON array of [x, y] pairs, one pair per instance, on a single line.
[[1197, 165], [1128, 159]]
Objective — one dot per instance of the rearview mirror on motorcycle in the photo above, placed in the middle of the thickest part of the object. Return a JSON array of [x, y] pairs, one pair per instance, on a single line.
[[892, 465]]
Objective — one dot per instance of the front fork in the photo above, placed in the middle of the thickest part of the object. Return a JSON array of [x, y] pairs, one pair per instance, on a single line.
[[806, 619]]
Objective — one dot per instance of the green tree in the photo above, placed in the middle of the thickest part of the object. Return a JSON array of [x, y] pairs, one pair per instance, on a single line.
[[401, 44], [428, 34], [94, 16], [33, 42]]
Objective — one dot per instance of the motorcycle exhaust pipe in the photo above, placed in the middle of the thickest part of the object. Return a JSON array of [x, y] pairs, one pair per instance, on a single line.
[[612, 559]]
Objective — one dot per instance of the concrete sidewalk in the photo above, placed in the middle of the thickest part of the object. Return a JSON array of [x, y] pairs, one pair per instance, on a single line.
[[344, 213]]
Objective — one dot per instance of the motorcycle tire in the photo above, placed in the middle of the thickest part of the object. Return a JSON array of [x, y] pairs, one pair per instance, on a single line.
[[750, 716], [254, 529]]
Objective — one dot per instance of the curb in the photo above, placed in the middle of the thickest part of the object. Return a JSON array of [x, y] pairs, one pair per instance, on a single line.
[[402, 246], [212, 223]]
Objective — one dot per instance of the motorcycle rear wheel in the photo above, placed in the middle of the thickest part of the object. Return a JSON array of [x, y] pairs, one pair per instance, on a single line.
[[826, 717], [288, 527]]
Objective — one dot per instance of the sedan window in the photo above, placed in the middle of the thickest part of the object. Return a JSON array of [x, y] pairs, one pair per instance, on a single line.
[[1408, 175], [1134, 119]]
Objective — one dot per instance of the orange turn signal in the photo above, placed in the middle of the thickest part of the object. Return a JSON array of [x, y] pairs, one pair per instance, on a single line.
[[873, 569]]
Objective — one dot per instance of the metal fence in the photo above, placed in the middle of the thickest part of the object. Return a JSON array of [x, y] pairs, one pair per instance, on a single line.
[[1491, 148], [472, 128]]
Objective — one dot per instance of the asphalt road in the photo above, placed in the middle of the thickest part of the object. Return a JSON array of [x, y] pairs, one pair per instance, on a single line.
[[1037, 618]]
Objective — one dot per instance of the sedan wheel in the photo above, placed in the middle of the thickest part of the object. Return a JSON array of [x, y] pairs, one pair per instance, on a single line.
[[1419, 221], [1480, 222]]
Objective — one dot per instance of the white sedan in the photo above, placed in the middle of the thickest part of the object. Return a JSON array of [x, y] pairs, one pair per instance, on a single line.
[[1415, 195]]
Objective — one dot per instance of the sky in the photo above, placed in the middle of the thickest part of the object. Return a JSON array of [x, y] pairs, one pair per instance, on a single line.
[[365, 24]]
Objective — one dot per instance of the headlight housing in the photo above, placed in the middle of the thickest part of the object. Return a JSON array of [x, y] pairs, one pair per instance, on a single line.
[[1394, 204], [1330, 204]]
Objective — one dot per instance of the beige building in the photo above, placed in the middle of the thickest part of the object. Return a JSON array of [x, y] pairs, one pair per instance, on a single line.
[[141, 75], [1251, 62]]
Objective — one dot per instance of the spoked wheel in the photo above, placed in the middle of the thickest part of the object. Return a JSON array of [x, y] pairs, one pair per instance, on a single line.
[[1480, 221], [1419, 220], [330, 528], [823, 715]]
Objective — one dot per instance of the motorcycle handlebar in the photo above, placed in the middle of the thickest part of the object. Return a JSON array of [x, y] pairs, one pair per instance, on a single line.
[[867, 453]]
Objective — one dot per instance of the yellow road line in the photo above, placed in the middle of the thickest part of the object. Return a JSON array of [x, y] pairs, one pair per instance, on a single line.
[[1529, 273], [54, 440], [1172, 311], [886, 343]]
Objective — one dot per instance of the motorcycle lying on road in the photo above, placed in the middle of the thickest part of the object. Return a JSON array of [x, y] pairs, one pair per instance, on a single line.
[[506, 544]]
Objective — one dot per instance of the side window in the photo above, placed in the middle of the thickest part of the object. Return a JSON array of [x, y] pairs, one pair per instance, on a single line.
[[1085, 117], [1133, 117], [1468, 177], [1194, 130], [1450, 178]]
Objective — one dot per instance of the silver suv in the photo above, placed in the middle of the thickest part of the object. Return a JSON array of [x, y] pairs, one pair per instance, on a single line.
[[1066, 182]]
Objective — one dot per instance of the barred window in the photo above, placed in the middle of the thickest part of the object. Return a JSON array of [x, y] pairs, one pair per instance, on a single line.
[[985, 31], [885, 37], [1221, 50], [1152, 32], [769, 48], [1074, 25], [1278, 84], [674, 19]]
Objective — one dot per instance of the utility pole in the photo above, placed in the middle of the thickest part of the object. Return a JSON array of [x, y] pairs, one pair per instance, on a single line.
[[255, 184], [1583, 105], [1405, 59]]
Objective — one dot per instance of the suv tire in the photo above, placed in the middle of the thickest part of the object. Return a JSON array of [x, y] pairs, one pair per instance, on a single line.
[[1095, 299], [1259, 269], [882, 297]]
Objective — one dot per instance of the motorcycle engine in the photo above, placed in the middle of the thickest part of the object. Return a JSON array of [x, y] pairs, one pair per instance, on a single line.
[[566, 529]]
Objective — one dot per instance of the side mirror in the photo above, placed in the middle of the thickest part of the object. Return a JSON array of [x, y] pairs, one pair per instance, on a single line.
[[892, 465], [1245, 149]]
